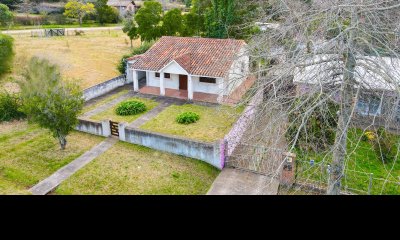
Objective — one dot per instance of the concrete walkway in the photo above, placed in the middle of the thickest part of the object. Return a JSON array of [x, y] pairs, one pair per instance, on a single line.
[[237, 182], [151, 114], [108, 105], [45, 186]]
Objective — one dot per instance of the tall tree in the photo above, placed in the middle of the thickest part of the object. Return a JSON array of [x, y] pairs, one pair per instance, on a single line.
[[79, 10], [105, 13], [49, 101], [131, 29], [148, 19], [336, 50], [172, 22], [6, 15], [220, 17]]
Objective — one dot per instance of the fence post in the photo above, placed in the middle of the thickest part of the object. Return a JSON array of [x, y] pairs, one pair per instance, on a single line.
[[106, 128], [121, 131], [370, 183], [288, 171]]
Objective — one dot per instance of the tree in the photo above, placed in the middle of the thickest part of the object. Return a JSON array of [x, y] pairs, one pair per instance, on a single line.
[[12, 4], [105, 13], [172, 22], [75, 9], [339, 49], [131, 29], [148, 19], [49, 101], [192, 25], [6, 53], [6, 15]]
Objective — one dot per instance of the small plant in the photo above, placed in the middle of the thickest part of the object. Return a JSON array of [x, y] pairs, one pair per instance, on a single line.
[[128, 108], [368, 136], [10, 107], [187, 118]]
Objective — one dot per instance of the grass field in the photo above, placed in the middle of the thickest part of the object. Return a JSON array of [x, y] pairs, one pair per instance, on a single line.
[[91, 58], [214, 123], [111, 115], [131, 169], [29, 154], [105, 100]]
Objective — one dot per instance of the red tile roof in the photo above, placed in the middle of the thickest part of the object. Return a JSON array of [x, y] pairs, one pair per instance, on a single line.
[[198, 56]]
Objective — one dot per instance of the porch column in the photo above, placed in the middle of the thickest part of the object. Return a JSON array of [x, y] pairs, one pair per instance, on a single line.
[[190, 87], [135, 81], [221, 86], [162, 85]]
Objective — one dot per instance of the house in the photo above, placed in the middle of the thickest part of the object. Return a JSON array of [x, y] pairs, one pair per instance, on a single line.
[[191, 68], [379, 102], [124, 6]]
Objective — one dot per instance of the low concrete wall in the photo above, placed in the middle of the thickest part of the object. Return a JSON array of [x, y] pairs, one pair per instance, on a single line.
[[93, 127], [104, 87], [207, 152]]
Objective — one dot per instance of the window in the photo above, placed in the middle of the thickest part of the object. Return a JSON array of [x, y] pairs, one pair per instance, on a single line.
[[370, 106], [208, 80], [166, 75]]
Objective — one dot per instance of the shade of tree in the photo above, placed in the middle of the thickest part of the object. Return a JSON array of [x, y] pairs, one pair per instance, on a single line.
[[49, 101], [172, 22], [148, 19], [79, 10]]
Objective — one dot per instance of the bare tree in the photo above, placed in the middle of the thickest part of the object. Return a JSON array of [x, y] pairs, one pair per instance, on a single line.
[[324, 51]]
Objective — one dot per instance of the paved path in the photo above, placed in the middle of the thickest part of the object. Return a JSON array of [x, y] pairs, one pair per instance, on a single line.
[[151, 114], [28, 31], [236, 182], [45, 186], [108, 105]]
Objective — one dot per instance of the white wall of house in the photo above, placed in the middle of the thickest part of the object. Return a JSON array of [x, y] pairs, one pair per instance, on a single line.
[[174, 68], [238, 72], [213, 88]]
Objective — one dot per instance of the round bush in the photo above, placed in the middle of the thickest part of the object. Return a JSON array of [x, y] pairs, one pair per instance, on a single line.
[[187, 118], [130, 108]]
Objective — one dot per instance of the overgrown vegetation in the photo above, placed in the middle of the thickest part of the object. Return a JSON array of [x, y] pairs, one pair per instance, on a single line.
[[6, 54], [10, 105], [132, 107], [187, 118]]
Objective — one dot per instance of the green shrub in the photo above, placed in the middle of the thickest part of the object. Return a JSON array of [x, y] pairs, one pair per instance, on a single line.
[[187, 118], [6, 53], [384, 145], [136, 51], [317, 133], [10, 105], [128, 108]]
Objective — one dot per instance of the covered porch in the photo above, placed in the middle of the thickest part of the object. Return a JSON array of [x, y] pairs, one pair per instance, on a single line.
[[181, 94]]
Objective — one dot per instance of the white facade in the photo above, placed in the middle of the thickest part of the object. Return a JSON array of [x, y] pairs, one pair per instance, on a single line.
[[223, 86]]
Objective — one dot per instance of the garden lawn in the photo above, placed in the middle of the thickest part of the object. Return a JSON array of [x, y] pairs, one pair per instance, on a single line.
[[97, 104], [111, 115], [362, 159], [29, 154], [130, 169], [215, 122]]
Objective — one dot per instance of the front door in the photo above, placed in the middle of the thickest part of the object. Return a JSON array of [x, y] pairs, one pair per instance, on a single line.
[[183, 82]]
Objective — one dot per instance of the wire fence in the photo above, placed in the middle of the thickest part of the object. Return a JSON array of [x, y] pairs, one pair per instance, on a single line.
[[357, 182]]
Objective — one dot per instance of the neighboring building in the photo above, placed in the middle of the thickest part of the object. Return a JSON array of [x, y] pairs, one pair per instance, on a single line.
[[380, 99], [124, 6], [187, 67]]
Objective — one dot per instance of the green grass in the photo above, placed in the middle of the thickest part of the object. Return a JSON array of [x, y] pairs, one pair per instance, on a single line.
[[132, 169], [93, 106], [361, 158], [215, 122], [111, 115], [29, 154]]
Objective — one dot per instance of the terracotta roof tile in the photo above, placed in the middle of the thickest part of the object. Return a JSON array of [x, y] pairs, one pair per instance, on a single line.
[[198, 56]]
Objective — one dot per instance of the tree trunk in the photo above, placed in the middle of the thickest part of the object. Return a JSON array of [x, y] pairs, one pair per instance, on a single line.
[[339, 153], [63, 141], [131, 43], [80, 21]]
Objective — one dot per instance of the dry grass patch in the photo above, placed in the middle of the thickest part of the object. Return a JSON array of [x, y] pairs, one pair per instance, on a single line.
[[29, 154], [214, 123], [91, 58], [111, 115], [132, 169]]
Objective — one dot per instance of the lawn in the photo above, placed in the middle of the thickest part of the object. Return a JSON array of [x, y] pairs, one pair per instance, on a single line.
[[215, 122], [29, 154], [90, 59], [111, 115], [105, 100], [361, 161], [132, 169]]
